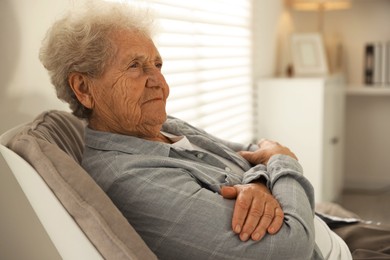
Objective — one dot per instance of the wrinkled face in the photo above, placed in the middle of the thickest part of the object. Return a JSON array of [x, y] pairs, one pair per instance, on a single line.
[[130, 97]]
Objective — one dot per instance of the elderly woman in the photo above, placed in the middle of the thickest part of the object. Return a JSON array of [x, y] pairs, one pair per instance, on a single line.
[[188, 194]]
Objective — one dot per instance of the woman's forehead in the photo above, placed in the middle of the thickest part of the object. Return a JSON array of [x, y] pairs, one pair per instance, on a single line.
[[131, 44]]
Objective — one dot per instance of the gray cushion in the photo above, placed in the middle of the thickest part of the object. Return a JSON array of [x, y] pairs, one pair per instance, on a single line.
[[53, 145]]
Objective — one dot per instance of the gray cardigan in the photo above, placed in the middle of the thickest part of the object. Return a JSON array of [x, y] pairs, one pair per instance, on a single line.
[[171, 196]]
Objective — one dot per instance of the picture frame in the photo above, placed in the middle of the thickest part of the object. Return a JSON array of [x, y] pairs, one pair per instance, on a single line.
[[308, 55]]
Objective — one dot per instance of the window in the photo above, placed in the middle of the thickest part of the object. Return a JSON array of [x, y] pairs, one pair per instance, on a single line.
[[206, 48]]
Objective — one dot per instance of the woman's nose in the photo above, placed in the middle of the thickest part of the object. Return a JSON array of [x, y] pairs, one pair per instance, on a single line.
[[155, 78]]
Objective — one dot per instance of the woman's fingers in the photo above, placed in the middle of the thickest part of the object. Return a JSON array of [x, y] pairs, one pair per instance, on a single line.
[[277, 221], [256, 212]]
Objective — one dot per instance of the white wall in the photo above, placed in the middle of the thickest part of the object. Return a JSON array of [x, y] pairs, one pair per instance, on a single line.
[[367, 153], [266, 22], [25, 88]]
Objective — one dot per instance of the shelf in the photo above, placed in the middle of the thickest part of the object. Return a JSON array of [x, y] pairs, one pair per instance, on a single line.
[[368, 91]]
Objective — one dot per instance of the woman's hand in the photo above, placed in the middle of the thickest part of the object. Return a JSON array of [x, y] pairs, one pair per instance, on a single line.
[[256, 211], [267, 149]]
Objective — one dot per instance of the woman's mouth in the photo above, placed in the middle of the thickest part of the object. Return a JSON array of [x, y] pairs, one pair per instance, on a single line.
[[153, 100]]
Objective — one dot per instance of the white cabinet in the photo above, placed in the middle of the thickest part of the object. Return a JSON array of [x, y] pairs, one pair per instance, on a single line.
[[307, 115]]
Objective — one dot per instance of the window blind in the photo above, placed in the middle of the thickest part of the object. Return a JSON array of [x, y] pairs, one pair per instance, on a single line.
[[207, 52]]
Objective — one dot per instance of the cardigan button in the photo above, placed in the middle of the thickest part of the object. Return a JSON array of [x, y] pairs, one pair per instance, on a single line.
[[200, 155]]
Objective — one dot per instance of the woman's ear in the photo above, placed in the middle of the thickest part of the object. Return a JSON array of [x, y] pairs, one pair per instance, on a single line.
[[79, 84]]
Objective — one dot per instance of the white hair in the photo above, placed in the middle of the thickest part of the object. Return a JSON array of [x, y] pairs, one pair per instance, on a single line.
[[80, 42]]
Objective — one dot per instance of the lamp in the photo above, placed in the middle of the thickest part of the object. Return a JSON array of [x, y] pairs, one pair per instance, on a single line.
[[309, 5], [320, 6]]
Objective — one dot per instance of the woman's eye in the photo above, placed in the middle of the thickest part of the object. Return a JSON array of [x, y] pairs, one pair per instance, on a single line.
[[134, 65], [159, 65]]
